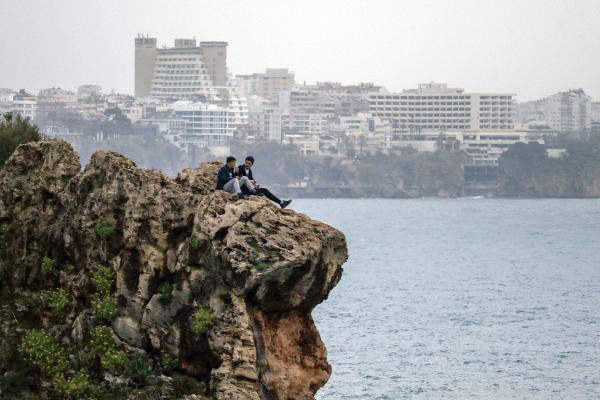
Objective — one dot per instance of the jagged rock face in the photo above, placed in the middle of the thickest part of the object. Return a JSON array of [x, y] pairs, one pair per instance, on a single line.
[[258, 269]]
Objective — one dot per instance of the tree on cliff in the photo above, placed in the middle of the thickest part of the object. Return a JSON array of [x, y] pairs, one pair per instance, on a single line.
[[15, 130]]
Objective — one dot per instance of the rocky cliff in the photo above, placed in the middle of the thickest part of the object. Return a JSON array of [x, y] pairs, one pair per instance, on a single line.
[[117, 282]]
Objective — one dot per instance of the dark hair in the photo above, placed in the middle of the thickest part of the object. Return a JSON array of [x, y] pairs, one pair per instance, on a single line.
[[230, 159], [250, 158]]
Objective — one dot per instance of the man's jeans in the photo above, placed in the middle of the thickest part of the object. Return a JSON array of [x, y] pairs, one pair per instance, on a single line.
[[233, 186]]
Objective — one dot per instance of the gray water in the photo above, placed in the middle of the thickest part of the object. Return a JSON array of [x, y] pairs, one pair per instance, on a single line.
[[468, 298]]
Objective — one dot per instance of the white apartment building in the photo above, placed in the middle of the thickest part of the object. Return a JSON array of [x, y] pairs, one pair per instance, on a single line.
[[595, 115], [303, 100], [6, 100], [236, 103], [264, 119], [25, 105], [200, 125], [434, 106], [181, 74], [569, 111], [55, 100], [306, 124]]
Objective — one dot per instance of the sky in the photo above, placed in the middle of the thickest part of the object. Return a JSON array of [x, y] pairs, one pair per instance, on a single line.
[[532, 48]]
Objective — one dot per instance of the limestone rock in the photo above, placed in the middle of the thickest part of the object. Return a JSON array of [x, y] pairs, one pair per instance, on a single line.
[[174, 247]]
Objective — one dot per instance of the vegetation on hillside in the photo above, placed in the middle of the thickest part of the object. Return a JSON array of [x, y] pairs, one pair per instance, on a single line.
[[525, 170], [15, 130]]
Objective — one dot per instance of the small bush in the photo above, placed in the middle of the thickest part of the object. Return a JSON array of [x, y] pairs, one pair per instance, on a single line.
[[44, 352], [48, 266], [196, 243], [103, 279], [202, 319], [57, 300], [139, 369], [168, 363], [105, 308], [260, 266], [103, 345], [74, 388], [104, 230], [185, 385], [103, 304], [165, 291]]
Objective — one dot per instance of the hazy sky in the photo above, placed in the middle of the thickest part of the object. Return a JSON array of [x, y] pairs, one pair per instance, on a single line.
[[529, 47]]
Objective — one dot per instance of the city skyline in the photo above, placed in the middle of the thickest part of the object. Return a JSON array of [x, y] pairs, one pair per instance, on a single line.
[[478, 42]]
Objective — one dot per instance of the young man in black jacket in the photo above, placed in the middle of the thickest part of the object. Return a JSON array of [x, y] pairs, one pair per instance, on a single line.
[[229, 181], [245, 171]]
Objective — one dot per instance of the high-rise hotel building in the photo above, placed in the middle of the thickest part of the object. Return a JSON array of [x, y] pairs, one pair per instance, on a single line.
[[434, 106], [185, 71]]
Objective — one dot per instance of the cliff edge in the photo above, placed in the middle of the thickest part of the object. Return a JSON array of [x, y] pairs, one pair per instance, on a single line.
[[117, 282]]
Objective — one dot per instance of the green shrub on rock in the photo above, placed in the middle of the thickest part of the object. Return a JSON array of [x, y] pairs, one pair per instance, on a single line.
[[139, 369], [104, 305], [202, 319], [48, 266], [57, 300], [105, 308], [103, 279], [44, 352], [104, 230], [196, 243], [74, 388], [104, 346], [165, 291], [168, 363]]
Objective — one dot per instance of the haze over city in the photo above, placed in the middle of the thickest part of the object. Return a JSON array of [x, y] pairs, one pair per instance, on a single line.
[[531, 48]]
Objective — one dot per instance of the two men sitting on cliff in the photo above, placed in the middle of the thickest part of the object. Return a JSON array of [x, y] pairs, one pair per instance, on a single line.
[[240, 180]]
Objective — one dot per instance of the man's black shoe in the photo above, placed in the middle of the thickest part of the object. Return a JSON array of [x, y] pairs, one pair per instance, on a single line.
[[285, 203], [243, 196]]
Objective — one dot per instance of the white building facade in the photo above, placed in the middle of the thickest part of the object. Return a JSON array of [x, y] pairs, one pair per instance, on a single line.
[[434, 106]]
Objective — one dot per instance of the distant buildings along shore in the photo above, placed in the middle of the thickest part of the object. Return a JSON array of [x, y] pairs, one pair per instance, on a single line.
[[186, 95]]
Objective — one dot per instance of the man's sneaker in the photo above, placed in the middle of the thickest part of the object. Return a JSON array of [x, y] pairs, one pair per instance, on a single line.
[[243, 196], [285, 203]]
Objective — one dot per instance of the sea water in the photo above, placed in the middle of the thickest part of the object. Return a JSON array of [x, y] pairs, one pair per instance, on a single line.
[[465, 298]]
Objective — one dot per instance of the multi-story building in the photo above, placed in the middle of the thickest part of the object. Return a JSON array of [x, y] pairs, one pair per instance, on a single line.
[[185, 71], [25, 105], [55, 100], [595, 114], [6, 101], [570, 111], [264, 119], [304, 100], [434, 106], [267, 84], [305, 124], [192, 125]]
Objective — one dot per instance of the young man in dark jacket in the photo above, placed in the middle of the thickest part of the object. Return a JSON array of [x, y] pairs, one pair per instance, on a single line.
[[245, 171], [229, 181]]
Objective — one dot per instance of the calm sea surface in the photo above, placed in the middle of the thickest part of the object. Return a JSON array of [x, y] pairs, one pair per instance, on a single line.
[[468, 298]]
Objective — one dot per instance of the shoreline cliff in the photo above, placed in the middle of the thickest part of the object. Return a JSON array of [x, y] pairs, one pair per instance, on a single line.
[[118, 282]]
